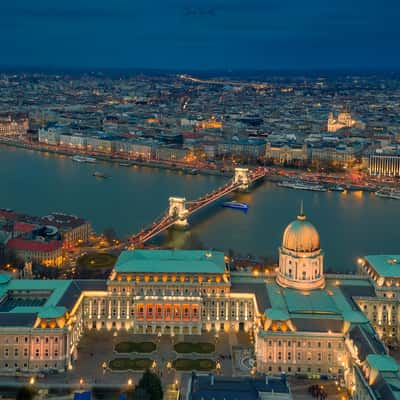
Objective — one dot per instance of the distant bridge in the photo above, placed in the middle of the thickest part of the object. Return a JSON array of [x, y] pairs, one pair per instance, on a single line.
[[180, 209]]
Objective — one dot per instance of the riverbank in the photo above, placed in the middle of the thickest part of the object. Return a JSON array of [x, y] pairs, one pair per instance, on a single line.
[[187, 169]]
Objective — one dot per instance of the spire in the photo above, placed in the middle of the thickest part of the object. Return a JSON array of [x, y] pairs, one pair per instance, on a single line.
[[301, 216]]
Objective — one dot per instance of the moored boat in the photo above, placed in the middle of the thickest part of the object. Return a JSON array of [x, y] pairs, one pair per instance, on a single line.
[[83, 159], [389, 194], [337, 188], [298, 185]]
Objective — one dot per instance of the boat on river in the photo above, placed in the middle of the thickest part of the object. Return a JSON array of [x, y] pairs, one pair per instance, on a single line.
[[83, 159], [98, 174], [236, 205], [389, 193], [337, 188], [298, 185]]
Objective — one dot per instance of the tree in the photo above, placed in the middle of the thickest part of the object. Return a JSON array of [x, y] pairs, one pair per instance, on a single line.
[[26, 393], [151, 384]]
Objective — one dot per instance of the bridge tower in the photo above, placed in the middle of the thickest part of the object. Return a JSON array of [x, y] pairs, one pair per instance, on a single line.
[[177, 209], [242, 176]]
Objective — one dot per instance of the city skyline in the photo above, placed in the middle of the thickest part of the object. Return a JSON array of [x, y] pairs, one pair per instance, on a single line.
[[217, 35]]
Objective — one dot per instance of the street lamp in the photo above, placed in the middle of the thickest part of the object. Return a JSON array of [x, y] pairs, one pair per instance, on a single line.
[[81, 382], [32, 380], [104, 366], [130, 382], [218, 367]]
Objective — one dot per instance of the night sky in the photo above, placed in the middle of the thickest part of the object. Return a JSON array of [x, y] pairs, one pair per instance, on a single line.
[[200, 34]]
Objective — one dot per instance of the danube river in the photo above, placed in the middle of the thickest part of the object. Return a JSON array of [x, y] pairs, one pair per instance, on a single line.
[[350, 225]]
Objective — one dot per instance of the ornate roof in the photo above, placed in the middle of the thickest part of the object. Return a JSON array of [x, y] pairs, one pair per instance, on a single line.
[[301, 236]]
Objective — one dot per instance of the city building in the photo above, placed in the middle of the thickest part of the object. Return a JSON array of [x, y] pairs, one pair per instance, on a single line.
[[78, 142], [335, 154], [250, 148], [37, 250], [383, 308], [14, 125], [210, 387], [286, 153], [41, 322], [134, 149], [384, 164], [304, 322], [42, 239], [343, 120], [73, 230]]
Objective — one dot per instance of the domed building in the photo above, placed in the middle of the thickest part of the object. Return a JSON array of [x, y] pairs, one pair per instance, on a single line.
[[301, 259]]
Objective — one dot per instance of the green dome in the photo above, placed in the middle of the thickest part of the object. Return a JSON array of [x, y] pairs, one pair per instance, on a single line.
[[301, 236]]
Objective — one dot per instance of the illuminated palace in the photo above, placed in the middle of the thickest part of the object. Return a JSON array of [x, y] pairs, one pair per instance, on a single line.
[[304, 321], [343, 120]]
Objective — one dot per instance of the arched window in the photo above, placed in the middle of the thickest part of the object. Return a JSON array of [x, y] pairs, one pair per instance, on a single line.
[[304, 275]]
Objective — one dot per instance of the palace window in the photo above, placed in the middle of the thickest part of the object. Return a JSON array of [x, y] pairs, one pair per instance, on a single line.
[[25, 352]]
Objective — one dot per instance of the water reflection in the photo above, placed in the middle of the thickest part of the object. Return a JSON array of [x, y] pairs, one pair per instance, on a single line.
[[350, 224]]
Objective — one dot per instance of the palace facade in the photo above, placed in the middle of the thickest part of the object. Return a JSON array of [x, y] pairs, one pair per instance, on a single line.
[[304, 321]]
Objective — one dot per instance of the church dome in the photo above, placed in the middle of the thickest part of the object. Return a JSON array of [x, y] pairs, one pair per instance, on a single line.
[[301, 236]]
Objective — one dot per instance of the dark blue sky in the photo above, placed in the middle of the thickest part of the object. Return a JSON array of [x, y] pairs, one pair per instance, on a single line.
[[201, 34]]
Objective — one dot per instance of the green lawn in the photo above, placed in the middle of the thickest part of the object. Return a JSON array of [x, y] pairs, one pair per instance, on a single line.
[[97, 260], [187, 347], [124, 364], [186, 364], [137, 347]]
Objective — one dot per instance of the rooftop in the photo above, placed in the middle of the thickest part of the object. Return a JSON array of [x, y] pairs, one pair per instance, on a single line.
[[386, 265], [34, 245], [190, 261], [382, 363], [234, 388], [40, 298]]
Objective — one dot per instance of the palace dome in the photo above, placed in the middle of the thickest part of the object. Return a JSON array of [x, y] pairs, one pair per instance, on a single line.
[[301, 236]]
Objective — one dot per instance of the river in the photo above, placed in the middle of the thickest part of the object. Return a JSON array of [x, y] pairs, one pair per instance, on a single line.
[[350, 225]]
